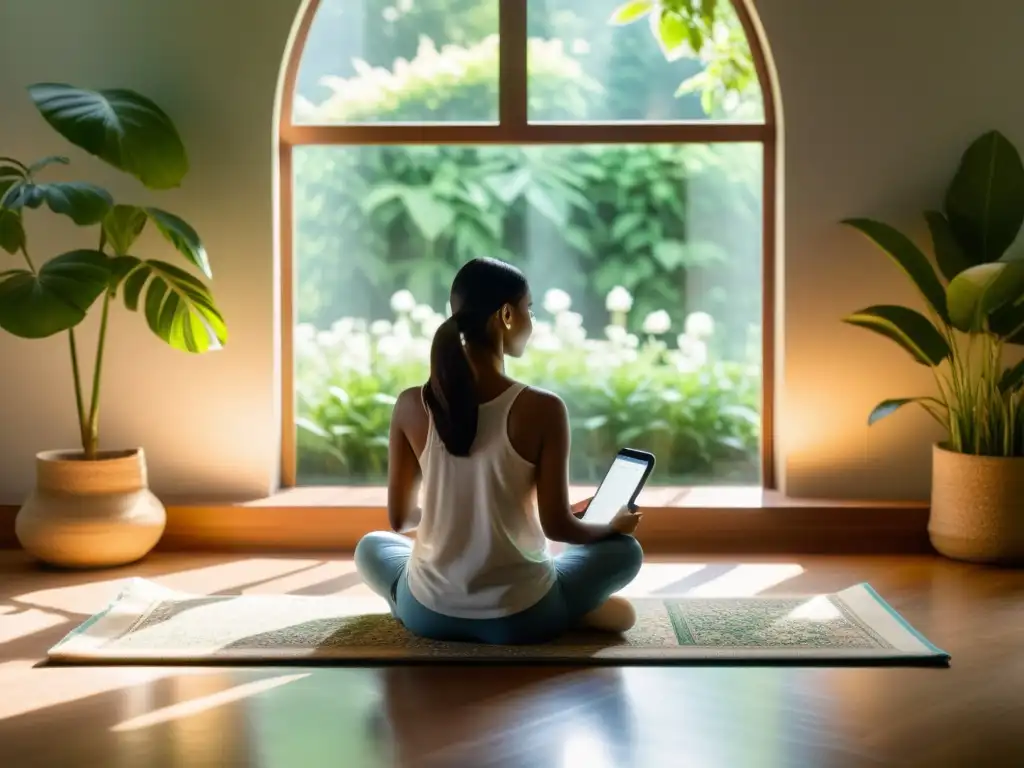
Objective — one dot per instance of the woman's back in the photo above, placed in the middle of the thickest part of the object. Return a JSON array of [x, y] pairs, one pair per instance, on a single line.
[[480, 551]]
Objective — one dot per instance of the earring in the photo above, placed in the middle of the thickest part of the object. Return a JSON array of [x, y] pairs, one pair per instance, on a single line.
[[508, 325]]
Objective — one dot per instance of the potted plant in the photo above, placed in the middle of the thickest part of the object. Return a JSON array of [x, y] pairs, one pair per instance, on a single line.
[[93, 507], [975, 308]]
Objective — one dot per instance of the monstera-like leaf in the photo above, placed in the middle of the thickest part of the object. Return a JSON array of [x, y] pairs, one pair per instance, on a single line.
[[85, 204], [178, 307], [34, 305], [119, 126]]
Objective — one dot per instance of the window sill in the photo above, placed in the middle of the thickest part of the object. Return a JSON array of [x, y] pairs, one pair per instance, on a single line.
[[657, 497], [677, 521]]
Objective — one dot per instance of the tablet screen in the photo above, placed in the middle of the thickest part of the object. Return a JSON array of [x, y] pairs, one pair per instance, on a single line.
[[616, 489]]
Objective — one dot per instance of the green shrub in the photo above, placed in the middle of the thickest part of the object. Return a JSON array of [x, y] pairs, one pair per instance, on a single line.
[[697, 414], [677, 225]]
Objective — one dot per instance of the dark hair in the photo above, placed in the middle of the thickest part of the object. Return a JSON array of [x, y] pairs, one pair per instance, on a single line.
[[481, 288]]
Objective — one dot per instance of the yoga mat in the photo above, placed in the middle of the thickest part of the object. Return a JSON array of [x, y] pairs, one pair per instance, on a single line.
[[149, 624]]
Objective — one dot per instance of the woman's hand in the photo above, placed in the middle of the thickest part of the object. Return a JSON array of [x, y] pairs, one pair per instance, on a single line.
[[625, 521], [580, 507]]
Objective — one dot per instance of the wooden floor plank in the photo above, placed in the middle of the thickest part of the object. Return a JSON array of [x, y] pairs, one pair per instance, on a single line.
[[968, 715]]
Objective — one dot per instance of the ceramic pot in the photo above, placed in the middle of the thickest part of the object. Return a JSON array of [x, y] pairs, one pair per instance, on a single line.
[[977, 511], [90, 514]]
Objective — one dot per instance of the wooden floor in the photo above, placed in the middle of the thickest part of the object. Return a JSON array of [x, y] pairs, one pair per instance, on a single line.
[[969, 715]]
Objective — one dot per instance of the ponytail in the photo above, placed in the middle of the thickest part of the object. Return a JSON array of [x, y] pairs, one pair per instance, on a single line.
[[481, 288], [451, 391]]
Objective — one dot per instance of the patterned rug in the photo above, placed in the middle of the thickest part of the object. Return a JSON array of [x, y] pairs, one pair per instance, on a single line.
[[150, 624]]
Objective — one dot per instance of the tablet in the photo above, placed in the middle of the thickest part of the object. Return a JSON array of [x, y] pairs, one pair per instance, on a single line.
[[621, 485]]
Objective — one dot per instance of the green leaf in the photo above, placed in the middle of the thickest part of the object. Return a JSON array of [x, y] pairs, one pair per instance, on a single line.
[[178, 306], [631, 11], [121, 127], [430, 216], [909, 258], [910, 329], [11, 173], [85, 204], [39, 165], [671, 254], [985, 201], [507, 187], [12, 233], [11, 168], [122, 267], [948, 254], [1008, 323], [380, 195], [1012, 378], [179, 234], [548, 206], [9, 177], [122, 226], [889, 407], [34, 306], [672, 32], [625, 223], [978, 292]]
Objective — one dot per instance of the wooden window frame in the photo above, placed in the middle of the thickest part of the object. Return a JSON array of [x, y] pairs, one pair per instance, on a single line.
[[514, 128]]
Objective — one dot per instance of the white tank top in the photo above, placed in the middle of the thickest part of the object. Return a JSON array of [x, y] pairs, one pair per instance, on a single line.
[[480, 552]]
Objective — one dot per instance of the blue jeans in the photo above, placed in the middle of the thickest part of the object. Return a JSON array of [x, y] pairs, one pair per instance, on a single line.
[[586, 576]]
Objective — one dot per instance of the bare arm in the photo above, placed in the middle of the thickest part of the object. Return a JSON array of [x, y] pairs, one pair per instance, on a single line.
[[557, 516], [403, 470]]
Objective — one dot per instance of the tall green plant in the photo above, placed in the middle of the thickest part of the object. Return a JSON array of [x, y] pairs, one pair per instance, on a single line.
[[979, 310], [130, 133]]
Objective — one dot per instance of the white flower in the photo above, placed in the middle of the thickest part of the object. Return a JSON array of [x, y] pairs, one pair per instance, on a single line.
[[421, 349], [541, 328], [380, 327], [548, 343], [557, 301], [657, 323], [615, 333], [694, 350], [567, 320], [421, 312], [344, 326], [431, 324], [699, 325], [402, 329], [403, 302], [391, 347], [632, 342], [305, 332], [390, 14], [618, 300], [404, 5]]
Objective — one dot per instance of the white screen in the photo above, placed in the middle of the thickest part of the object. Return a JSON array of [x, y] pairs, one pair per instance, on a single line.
[[616, 489]]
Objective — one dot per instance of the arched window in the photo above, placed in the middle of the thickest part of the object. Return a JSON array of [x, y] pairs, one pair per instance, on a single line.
[[621, 151]]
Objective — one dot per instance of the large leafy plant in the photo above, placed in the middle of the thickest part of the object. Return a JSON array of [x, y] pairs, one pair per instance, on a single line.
[[42, 299], [711, 31], [974, 313]]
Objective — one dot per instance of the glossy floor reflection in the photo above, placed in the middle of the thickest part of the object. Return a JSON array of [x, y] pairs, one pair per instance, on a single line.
[[292, 717]]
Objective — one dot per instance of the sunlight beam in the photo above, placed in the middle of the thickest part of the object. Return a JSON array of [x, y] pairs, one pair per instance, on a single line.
[[747, 580], [205, 703], [27, 622], [94, 596]]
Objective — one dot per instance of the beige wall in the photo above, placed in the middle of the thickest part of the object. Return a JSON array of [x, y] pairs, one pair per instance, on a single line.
[[879, 99]]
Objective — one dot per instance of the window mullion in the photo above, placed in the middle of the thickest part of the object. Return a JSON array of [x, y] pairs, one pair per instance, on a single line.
[[512, 78]]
